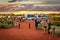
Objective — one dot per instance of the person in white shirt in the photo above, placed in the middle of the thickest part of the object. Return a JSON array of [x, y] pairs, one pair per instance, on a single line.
[[45, 24]]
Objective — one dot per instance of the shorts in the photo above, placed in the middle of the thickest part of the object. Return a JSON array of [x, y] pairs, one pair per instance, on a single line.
[[45, 26]]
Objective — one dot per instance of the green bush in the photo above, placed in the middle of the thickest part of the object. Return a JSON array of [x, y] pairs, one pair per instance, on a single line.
[[0, 24], [57, 32], [40, 27], [6, 24], [56, 18], [55, 23], [53, 27]]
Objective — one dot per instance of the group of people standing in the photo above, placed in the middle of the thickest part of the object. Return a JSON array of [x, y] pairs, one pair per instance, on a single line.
[[45, 23], [16, 22]]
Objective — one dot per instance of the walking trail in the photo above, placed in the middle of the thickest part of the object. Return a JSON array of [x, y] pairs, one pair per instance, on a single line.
[[25, 33]]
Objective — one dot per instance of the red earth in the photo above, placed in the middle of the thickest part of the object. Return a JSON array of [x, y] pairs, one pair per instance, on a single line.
[[25, 33]]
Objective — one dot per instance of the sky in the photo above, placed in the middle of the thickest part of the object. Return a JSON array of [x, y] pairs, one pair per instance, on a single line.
[[43, 2], [54, 4], [47, 1]]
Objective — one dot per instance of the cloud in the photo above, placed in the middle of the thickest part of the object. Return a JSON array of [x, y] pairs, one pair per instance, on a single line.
[[29, 1]]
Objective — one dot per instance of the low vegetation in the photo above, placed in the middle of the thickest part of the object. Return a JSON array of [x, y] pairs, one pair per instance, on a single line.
[[6, 24], [54, 30]]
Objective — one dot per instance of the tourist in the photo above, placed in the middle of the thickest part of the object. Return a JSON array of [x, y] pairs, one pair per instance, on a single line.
[[45, 26], [49, 25], [36, 23], [16, 22]]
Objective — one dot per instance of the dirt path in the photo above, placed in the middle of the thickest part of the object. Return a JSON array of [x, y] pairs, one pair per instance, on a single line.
[[24, 33]]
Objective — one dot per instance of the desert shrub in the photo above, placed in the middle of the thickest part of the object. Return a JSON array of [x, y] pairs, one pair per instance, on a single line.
[[57, 32], [55, 23], [40, 27], [56, 18], [6, 24]]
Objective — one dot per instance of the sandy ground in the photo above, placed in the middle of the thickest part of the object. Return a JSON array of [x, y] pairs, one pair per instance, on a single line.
[[25, 33]]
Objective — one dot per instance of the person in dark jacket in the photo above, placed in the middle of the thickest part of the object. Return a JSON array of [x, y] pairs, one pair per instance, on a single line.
[[49, 25], [36, 23]]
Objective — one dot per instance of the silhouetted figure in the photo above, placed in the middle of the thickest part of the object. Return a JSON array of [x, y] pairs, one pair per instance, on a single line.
[[29, 25], [18, 25], [36, 23], [49, 25]]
